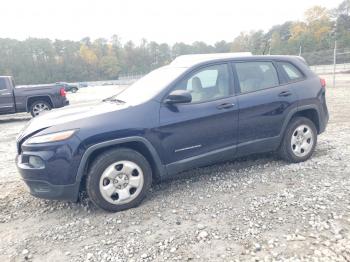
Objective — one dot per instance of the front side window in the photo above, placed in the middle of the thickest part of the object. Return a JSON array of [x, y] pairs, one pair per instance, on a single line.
[[291, 71], [255, 76], [207, 84], [2, 83]]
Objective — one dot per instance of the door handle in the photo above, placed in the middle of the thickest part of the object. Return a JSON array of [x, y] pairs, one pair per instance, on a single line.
[[285, 93], [225, 106]]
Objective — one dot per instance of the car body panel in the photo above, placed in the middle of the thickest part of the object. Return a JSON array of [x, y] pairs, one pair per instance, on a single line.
[[264, 111], [193, 129]]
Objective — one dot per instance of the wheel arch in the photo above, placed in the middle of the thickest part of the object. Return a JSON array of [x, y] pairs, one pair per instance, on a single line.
[[139, 144], [32, 99], [308, 111], [312, 115]]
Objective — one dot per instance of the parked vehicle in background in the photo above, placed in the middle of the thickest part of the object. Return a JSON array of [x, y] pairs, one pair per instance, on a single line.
[[32, 98], [199, 110], [73, 88], [83, 84], [107, 83]]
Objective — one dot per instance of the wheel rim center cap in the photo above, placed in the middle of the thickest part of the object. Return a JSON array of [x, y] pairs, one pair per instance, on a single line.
[[121, 181], [300, 139]]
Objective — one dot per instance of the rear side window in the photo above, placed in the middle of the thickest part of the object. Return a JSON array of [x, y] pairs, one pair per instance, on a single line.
[[291, 71], [255, 76], [3, 84]]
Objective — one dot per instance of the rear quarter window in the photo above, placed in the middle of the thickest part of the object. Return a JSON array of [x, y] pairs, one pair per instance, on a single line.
[[292, 72]]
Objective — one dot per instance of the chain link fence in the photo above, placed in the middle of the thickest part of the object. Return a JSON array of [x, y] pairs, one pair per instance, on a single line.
[[334, 64], [123, 79]]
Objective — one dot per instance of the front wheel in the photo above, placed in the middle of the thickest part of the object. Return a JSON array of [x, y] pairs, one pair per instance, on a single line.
[[74, 90], [299, 141], [119, 179], [39, 107]]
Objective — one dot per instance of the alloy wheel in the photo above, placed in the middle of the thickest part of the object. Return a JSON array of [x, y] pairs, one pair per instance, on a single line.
[[39, 108]]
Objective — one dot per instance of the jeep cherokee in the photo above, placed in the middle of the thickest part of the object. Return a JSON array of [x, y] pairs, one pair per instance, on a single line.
[[199, 110]]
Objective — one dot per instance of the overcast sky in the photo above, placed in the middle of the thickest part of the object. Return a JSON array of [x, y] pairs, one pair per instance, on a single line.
[[159, 20]]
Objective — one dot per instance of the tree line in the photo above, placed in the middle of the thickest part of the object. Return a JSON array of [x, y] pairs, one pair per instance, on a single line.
[[34, 60]]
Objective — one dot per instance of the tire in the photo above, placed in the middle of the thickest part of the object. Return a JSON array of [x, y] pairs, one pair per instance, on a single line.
[[299, 140], [37, 107], [74, 90], [118, 179]]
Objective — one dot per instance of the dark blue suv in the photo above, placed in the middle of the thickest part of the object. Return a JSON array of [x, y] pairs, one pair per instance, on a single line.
[[199, 110]]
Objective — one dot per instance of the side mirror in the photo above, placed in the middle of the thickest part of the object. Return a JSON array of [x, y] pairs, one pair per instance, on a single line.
[[178, 96]]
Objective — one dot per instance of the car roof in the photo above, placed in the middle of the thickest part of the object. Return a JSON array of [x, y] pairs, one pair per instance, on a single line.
[[191, 60]]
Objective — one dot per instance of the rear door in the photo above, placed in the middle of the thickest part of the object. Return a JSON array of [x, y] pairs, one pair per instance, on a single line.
[[264, 102], [7, 103]]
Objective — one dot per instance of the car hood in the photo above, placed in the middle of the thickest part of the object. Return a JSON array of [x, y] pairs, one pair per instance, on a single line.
[[66, 115]]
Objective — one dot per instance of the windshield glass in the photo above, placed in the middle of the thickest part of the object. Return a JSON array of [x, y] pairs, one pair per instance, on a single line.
[[149, 85]]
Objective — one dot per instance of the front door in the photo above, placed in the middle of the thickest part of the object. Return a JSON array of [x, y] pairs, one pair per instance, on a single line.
[[208, 124]]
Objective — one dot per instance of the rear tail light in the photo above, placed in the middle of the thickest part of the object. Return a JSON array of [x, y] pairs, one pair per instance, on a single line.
[[323, 82], [62, 92]]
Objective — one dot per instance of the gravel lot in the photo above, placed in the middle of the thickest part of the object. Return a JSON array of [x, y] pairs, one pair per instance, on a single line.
[[255, 208]]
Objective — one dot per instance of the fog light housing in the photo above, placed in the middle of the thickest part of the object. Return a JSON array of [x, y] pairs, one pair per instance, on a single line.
[[36, 162]]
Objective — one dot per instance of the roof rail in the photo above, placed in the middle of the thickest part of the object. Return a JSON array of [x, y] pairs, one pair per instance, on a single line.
[[187, 60]]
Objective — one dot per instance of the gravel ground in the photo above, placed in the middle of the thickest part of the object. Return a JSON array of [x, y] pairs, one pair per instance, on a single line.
[[255, 208]]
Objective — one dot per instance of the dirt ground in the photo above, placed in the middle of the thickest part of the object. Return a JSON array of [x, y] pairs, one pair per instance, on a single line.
[[255, 208]]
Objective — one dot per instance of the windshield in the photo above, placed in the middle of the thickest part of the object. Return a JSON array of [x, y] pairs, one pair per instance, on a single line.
[[149, 85]]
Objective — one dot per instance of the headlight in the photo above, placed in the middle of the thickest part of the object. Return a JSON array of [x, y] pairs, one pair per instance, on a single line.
[[53, 137]]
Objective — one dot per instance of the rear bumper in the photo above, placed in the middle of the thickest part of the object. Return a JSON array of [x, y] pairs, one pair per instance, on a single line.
[[65, 103], [324, 124], [324, 118], [61, 103]]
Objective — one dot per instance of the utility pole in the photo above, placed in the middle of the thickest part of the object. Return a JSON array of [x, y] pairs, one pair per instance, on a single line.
[[334, 61], [300, 49], [335, 52]]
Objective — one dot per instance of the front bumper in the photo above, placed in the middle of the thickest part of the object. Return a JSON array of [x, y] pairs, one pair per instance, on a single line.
[[43, 189], [53, 175]]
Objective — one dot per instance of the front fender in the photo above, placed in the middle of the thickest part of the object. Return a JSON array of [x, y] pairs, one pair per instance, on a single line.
[[158, 164]]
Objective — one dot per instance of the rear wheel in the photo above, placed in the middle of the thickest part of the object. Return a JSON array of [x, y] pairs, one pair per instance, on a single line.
[[299, 141], [38, 107], [119, 179], [74, 90]]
